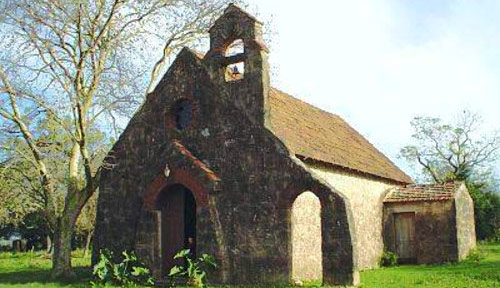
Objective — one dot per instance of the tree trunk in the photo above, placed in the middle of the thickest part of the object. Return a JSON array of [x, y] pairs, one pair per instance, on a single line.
[[75, 199], [49, 244], [61, 259], [87, 245]]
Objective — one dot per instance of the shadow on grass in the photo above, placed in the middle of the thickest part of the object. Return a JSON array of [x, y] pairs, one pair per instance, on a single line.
[[42, 276]]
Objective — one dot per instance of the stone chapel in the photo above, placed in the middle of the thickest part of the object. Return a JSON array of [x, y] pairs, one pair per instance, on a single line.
[[277, 190]]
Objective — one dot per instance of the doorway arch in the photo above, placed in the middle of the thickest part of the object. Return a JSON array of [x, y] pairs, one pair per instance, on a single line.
[[177, 206], [306, 238]]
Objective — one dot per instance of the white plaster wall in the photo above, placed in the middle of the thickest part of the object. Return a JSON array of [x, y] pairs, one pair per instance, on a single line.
[[306, 238], [466, 231], [366, 200]]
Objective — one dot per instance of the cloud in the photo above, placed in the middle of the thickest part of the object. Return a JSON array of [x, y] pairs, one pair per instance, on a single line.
[[380, 63]]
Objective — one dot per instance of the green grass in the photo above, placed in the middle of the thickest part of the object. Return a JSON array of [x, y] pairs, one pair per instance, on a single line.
[[486, 273], [32, 270]]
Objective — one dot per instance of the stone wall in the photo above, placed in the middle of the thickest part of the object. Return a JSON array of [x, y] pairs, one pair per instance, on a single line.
[[365, 197], [466, 233], [242, 176], [435, 229], [306, 238]]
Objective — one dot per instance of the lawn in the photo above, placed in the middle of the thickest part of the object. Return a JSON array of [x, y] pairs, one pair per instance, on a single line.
[[465, 274], [32, 270]]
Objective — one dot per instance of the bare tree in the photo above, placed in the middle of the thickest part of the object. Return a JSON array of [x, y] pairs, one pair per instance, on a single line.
[[448, 152], [81, 64]]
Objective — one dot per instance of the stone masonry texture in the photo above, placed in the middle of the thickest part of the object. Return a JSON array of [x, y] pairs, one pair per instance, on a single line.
[[246, 152], [243, 178], [444, 226]]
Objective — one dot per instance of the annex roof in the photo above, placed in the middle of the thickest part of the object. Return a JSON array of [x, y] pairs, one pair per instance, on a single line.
[[428, 192], [313, 133]]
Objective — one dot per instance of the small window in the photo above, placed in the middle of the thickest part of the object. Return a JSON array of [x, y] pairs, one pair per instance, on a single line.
[[236, 47], [235, 71], [181, 113]]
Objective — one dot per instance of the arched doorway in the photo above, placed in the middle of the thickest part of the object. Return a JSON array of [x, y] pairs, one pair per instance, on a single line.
[[306, 238], [178, 224]]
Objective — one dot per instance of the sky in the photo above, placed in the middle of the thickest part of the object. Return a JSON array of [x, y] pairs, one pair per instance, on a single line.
[[380, 63]]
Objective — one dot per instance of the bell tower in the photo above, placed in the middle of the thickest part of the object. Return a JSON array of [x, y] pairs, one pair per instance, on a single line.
[[239, 59]]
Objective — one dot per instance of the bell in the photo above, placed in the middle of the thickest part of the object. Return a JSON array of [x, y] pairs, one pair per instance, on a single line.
[[235, 70]]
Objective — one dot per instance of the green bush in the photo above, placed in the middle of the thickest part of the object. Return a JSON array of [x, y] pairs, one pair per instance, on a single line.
[[128, 272], [486, 211], [388, 259], [195, 270]]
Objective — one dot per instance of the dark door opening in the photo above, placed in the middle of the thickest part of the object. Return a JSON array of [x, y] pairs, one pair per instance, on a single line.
[[178, 224], [404, 226]]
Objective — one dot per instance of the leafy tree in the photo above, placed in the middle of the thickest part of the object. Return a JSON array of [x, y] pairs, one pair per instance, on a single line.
[[448, 152], [456, 152], [18, 193], [85, 223], [71, 70], [486, 211], [25, 198]]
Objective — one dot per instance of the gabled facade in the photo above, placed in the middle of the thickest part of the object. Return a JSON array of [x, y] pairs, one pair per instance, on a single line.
[[218, 161]]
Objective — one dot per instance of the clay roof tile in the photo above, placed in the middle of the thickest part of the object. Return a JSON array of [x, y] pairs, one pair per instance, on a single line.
[[427, 192], [313, 133]]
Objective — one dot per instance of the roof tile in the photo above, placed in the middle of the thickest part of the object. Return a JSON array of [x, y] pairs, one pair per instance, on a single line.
[[427, 192], [313, 133]]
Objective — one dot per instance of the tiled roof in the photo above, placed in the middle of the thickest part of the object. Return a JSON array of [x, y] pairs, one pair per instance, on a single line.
[[429, 192], [313, 133]]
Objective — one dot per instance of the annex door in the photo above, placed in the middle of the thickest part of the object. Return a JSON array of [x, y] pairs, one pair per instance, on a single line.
[[404, 226], [178, 224]]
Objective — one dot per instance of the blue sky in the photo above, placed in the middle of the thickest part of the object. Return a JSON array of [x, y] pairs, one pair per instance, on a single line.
[[380, 63]]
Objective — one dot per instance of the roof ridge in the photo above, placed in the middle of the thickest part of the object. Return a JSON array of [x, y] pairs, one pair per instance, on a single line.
[[362, 140]]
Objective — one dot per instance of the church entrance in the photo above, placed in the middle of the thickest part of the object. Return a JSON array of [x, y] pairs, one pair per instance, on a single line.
[[178, 224]]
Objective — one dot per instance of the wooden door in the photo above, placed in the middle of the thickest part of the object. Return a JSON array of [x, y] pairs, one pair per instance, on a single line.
[[172, 228], [404, 225]]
